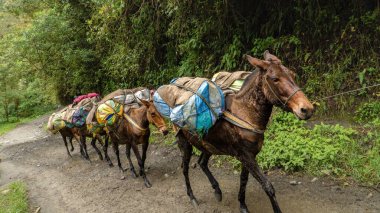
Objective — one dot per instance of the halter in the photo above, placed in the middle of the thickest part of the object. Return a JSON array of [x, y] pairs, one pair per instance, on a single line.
[[278, 98]]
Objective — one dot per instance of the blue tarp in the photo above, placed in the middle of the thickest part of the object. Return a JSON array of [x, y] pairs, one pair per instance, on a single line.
[[194, 115]]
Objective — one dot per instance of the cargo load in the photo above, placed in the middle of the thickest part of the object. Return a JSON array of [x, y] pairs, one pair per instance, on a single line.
[[232, 81], [194, 104], [111, 107]]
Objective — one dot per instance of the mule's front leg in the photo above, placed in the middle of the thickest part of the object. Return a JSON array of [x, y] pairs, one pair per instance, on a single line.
[[141, 165], [67, 148], [71, 143], [84, 147], [187, 150], [105, 150], [115, 146], [243, 184], [203, 163], [255, 171], [128, 153], [96, 148]]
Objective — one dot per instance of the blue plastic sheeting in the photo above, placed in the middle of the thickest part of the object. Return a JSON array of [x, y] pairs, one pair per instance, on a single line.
[[194, 115]]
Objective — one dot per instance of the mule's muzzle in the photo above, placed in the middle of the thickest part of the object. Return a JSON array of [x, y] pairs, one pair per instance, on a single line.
[[304, 111]]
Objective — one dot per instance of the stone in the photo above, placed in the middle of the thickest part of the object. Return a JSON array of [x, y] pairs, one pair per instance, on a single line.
[[369, 195]]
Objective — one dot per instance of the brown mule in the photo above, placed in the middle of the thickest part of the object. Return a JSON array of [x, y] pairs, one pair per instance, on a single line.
[[66, 133], [272, 85], [132, 130], [80, 135]]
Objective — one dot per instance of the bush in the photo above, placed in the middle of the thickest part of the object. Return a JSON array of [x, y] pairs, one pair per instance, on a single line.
[[368, 111], [322, 150]]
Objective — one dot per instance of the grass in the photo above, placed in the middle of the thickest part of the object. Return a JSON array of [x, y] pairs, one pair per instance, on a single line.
[[13, 198], [8, 126]]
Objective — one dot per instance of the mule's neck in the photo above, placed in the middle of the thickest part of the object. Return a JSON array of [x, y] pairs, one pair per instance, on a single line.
[[250, 103], [139, 115]]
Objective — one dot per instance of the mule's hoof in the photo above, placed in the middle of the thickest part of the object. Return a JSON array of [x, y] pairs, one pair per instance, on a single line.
[[72, 149], [218, 196], [101, 158], [243, 209], [133, 173], [110, 164], [147, 184], [195, 202]]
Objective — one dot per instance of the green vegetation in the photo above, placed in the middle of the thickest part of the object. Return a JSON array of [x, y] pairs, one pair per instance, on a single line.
[[323, 149], [13, 198], [6, 126], [79, 46]]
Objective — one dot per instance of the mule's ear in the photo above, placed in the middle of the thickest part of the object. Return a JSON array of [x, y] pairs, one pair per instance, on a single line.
[[270, 57], [257, 62], [152, 93]]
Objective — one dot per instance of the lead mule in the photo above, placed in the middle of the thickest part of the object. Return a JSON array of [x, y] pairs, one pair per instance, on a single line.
[[272, 84]]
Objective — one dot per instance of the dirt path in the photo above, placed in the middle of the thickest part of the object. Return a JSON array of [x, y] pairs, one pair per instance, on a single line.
[[57, 183]]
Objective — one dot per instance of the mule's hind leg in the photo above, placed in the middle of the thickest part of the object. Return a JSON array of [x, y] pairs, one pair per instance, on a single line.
[[243, 184], [67, 148], [141, 165], [96, 148], [203, 163], [255, 171], [105, 150], [186, 149], [128, 153]]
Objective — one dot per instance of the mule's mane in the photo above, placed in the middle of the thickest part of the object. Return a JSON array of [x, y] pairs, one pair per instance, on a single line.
[[251, 90], [253, 102], [247, 81]]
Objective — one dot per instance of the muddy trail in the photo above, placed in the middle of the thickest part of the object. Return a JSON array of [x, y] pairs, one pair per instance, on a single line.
[[58, 183]]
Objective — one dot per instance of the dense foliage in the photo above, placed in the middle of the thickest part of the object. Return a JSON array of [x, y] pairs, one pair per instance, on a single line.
[[324, 149], [80, 46]]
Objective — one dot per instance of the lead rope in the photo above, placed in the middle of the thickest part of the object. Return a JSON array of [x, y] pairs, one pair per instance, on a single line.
[[342, 93]]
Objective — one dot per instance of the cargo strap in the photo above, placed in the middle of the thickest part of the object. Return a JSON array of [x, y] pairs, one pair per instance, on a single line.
[[228, 116], [130, 120], [199, 95]]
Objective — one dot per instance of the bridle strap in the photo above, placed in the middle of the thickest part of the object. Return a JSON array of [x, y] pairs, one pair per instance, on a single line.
[[278, 98], [295, 91]]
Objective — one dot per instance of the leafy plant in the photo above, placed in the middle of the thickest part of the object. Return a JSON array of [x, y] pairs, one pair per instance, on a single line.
[[368, 111]]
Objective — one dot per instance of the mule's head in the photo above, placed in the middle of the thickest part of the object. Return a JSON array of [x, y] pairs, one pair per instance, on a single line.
[[279, 86], [154, 117]]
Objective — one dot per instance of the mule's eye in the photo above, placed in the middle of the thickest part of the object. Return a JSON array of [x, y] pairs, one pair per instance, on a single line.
[[275, 80]]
